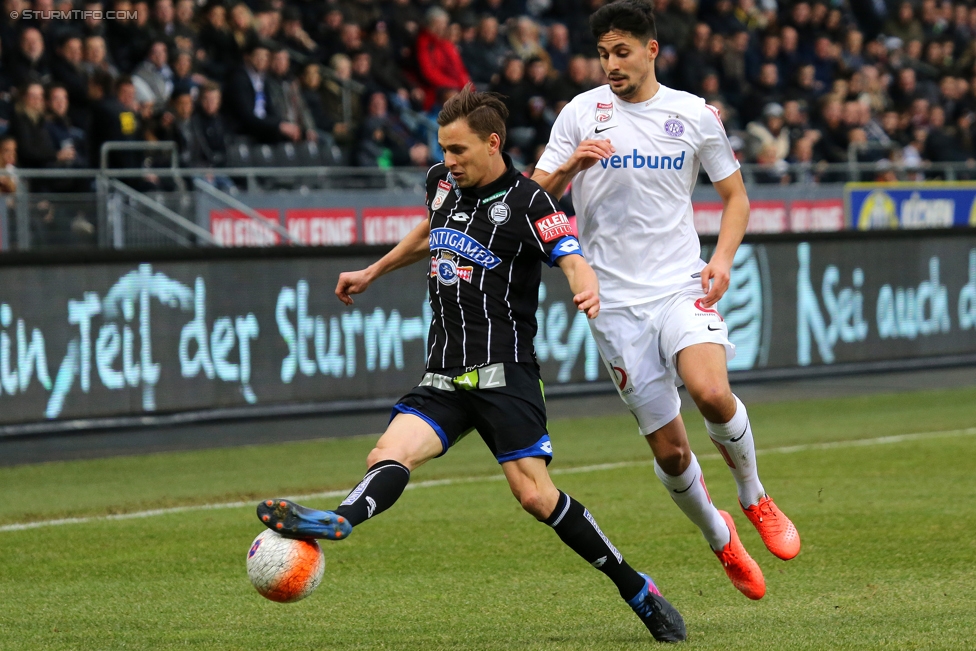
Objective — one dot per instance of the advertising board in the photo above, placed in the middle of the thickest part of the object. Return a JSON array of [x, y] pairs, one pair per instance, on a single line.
[[874, 206], [146, 336]]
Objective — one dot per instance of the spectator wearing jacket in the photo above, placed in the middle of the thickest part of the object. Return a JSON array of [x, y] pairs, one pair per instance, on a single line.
[[286, 97], [248, 103], [68, 70], [438, 60], [153, 78]]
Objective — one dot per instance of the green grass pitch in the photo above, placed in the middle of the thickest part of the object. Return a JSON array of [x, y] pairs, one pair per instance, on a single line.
[[888, 529]]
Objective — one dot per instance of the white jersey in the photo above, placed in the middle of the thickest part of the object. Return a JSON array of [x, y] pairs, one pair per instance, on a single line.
[[633, 210]]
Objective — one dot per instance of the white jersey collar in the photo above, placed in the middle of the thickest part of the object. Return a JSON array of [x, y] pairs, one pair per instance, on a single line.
[[637, 107]]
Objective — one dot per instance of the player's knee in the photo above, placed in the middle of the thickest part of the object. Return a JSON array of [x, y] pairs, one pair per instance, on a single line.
[[389, 453], [715, 402], [534, 504], [376, 455], [674, 460], [532, 501]]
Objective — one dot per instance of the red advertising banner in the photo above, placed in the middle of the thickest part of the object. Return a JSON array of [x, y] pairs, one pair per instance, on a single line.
[[708, 217], [764, 216], [389, 225], [817, 215], [234, 228], [322, 226], [767, 217]]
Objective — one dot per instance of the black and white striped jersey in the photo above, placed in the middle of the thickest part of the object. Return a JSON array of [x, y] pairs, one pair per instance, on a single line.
[[487, 245]]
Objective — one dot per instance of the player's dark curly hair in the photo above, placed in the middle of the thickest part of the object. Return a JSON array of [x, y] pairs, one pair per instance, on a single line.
[[634, 17], [485, 113]]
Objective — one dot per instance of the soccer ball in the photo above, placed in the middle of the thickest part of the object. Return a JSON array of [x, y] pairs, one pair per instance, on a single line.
[[283, 569]]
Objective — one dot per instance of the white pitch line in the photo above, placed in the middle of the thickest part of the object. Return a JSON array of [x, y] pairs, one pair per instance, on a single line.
[[788, 449]]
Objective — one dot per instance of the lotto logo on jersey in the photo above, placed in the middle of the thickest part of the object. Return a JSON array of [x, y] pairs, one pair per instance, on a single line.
[[553, 226], [567, 246]]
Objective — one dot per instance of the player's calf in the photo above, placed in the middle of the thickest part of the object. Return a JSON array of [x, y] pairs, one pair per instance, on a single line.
[[379, 490], [733, 438], [576, 527]]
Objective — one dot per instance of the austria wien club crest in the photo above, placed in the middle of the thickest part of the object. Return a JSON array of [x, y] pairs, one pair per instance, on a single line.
[[674, 127], [604, 111]]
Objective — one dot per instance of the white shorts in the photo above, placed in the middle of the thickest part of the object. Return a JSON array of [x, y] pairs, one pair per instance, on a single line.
[[640, 344]]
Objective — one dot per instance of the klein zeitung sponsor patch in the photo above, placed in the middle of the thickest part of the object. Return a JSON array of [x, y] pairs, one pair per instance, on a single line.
[[553, 226]]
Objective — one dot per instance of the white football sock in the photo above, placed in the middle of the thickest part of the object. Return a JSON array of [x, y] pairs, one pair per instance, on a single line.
[[734, 440], [689, 493]]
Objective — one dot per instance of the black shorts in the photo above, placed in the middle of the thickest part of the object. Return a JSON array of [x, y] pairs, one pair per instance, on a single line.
[[504, 402]]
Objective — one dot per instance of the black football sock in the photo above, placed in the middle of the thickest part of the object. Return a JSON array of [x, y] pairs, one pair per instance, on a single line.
[[576, 527], [380, 488]]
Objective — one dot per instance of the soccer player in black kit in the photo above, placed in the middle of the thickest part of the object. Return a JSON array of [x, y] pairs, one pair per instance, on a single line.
[[490, 228]]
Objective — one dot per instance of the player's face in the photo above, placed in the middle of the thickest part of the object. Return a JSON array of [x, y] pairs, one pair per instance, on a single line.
[[627, 62], [466, 155]]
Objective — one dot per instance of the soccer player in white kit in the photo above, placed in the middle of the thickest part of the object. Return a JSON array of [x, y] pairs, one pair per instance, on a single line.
[[632, 150]]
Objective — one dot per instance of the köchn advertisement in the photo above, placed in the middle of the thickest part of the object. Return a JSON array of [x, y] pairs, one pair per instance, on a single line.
[[114, 338], [874, 206]]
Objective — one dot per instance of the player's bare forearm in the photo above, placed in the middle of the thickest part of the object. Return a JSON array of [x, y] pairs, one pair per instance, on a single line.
[[412, 248], [715, 277], [586, 155], [583, 284], [735, 215], [552, 182]]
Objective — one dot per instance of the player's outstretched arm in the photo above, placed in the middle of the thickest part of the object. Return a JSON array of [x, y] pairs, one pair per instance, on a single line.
[[586, 155], [717, 273], [583, 283], [415, 246]]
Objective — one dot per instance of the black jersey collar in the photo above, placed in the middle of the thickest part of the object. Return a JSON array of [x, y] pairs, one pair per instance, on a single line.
[[503, 182]]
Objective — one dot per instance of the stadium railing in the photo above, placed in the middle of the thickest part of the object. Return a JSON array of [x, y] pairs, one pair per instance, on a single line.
[[151, 207]]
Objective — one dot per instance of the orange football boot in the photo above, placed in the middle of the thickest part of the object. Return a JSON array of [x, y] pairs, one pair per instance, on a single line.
[[775, 529], [739, 566]]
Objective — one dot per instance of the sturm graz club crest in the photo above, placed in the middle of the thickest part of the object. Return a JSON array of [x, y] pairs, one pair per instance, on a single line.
[[445, 268], [747, 307], [604, 111], [499, 213]]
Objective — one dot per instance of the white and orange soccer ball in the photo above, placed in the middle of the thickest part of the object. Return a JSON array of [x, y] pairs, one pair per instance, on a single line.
[[283, 569]]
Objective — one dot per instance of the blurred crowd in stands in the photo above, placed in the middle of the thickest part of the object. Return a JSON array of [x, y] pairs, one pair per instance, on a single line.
[[796, 81]]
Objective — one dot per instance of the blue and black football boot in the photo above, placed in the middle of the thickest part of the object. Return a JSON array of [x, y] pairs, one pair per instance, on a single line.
[[661, 618], [295, 521]]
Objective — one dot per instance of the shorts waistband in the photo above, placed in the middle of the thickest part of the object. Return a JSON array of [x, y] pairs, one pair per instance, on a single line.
[[485, 377]]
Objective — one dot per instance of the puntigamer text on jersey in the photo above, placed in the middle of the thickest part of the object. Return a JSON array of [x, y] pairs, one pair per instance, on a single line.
[[470, 248]]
